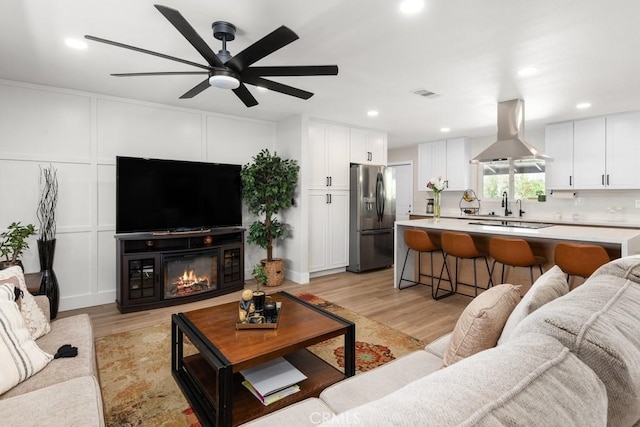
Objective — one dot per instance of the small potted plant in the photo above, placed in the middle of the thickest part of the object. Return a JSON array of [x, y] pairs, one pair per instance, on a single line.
[[268, 187], [261, 280], [14, 243], [260, 276]]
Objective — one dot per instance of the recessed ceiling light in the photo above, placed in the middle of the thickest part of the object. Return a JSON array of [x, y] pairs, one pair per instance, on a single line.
[[372, 113], [262, 89], [410, 7], [75, 43], [583, 105], [528, 72], [445, 130]]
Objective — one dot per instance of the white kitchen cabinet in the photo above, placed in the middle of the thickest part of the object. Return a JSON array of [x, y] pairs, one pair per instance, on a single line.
[[623, 151], [589, 154], [368, 147], [432, 162], [559, 146], [329, 156], [594, 154], [458, 167], [328, 230], [446, 158]]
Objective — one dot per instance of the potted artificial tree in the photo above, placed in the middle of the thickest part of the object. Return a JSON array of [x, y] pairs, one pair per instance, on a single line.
[[13, 243], [268, 187]]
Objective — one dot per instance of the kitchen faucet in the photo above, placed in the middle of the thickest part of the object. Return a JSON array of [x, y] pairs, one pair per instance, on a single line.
[[520, 211], [505, 204]]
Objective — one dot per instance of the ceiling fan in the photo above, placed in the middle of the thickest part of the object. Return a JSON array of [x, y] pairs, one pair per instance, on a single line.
[[231, 72]]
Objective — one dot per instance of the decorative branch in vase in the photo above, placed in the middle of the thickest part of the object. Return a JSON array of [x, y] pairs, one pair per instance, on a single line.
[[437, 185], [47, 242]]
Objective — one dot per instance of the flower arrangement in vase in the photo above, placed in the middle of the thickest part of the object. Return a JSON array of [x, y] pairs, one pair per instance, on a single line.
[[437, 185]]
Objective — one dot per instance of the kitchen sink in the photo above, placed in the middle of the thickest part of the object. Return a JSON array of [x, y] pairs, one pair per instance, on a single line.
[[514, 224]]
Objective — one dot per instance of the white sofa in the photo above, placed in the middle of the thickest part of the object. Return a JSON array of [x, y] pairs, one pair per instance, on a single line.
[[574, 361], [67, 391]]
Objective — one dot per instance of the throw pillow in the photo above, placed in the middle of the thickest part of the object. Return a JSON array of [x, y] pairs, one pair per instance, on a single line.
[[549, 286], [481, 322], [20, 356], [34, 318]]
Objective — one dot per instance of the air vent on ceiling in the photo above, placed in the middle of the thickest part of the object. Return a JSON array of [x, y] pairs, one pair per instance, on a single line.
[[424, 93]]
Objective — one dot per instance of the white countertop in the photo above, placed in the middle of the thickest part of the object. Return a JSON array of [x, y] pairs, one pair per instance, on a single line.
[[618, 223], [622, 236]]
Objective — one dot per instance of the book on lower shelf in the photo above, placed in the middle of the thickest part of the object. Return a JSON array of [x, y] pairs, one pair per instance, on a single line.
[[272, 380], [273, 397]]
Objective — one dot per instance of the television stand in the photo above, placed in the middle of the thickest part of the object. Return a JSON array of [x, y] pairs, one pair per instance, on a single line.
[[159, 269], [181, 231]]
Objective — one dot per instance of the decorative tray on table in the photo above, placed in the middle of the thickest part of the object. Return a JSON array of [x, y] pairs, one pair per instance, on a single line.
[[269, 323]]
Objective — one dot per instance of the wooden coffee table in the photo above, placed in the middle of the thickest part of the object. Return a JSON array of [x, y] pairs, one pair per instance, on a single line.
[[210, 379]]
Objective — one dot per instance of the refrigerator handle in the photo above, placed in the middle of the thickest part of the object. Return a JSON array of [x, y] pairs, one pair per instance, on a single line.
[[380, 196]]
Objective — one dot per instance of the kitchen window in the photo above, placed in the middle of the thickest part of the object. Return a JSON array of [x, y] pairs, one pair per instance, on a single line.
[[521, 179]]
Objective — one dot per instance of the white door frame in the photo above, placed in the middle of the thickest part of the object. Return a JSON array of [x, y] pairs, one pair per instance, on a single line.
[[410, 164]]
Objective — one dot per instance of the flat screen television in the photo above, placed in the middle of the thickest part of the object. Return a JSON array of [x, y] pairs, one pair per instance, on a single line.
[[172, 195]]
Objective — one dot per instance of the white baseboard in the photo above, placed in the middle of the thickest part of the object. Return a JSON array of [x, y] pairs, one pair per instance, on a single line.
[[327, 272]]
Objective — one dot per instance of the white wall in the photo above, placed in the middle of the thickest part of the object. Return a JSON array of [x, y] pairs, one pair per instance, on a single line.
[[80, 134], [292, 140]]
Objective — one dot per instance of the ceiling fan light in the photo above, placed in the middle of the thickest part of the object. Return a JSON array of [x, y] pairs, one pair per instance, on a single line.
[[224, 82]]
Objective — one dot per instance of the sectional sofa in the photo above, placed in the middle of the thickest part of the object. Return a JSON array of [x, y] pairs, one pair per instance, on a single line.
[[66, 392], [575, 360]]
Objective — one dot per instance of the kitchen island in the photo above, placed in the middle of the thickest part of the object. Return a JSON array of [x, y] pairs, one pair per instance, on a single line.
[[618, 242]]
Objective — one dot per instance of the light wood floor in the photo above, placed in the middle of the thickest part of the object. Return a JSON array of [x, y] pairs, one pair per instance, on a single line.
[[372, 294]]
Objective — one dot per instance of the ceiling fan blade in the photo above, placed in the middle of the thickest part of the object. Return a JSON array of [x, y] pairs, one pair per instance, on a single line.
[[263, 47], [196, 89], [149, 52], [277, 87], [294, 70], [160, 73], [181, 24], [245, 96]]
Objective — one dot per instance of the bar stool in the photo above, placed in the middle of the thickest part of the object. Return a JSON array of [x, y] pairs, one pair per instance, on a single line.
[[580, 259], [514, 253], [420, 242], [462, 246]]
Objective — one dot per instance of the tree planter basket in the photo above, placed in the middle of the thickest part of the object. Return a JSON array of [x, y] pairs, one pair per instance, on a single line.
[[274, 271]]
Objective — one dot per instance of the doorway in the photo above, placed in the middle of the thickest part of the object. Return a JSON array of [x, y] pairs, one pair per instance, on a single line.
[[404, 189]]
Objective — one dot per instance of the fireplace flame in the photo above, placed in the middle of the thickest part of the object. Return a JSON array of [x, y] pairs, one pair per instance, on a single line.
[[190, 278]]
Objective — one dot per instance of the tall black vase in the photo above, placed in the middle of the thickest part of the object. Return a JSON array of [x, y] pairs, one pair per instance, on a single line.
[[49, 283]]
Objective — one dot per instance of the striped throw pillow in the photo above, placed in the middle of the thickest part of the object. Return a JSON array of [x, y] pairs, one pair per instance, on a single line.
[[20, 356]]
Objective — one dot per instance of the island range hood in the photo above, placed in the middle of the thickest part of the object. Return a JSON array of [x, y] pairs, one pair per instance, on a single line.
[[510, 144]]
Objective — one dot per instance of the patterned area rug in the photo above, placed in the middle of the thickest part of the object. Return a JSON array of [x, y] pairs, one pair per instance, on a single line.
[[135, 367]]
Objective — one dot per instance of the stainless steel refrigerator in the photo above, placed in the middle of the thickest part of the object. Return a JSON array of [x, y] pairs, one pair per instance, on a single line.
[[372, 210]]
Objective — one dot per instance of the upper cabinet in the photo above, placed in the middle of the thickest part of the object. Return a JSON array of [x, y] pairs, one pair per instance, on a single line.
[[368, 147], [588, 153], [594, 154], [446, 158], [329, 156], [623, 150], [559, 146]]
